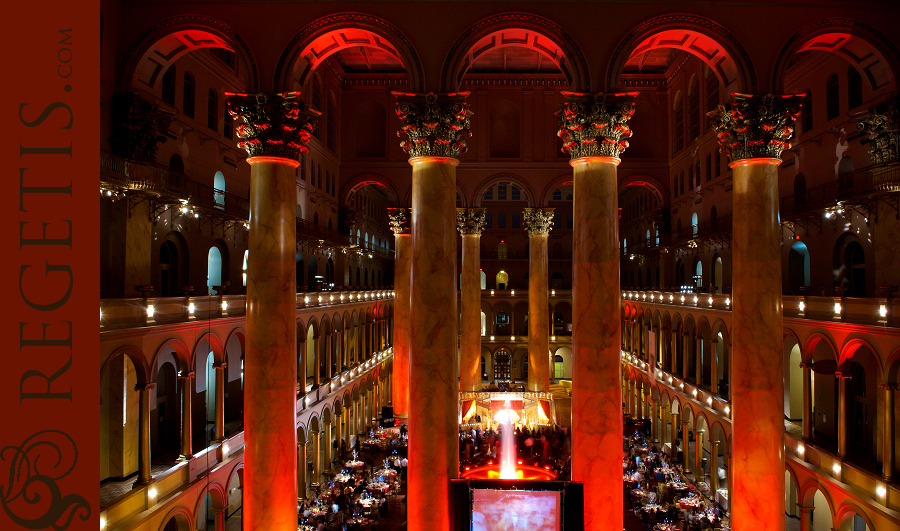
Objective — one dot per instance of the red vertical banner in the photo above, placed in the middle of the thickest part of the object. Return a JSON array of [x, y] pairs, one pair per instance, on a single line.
[[49, 443]]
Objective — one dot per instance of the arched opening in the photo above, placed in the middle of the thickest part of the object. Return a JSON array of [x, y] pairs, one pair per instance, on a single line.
[[695, 225], [213, 269], [244, 268], [798, 268], [210, 397], [219, 189], [502, 365], [501, 254], [168, 269], [167, 424], [483, 278], [502, 280]]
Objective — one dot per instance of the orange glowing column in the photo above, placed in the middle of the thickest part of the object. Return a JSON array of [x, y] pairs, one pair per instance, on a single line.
[[596, 330], [270, 367], [437, 127], [470, 223], [399, 219], [538, 223], [752, 132]]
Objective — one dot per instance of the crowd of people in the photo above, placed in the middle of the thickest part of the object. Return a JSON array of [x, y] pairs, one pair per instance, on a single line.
[[660, 495], [355, 496], [540, 446]]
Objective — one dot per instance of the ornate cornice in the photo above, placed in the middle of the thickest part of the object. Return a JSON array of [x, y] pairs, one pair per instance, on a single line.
[[755, 126], [594, 125], [400, 221], [470, 220], [138, 126], [538, 220], [881, 124], [272, 125], [436, 125]]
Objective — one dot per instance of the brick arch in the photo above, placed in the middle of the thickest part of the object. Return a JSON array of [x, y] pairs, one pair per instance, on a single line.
[[215, 344], [183, 516], [847, 510], [182, 355], [325, 36], [810, 346], [849, 349], [218, 494], [516, 29]]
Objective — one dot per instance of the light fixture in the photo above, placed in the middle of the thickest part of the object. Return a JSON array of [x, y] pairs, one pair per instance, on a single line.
[[224, 305], [492, 292], [492, 338], [695, 299], [644, 296], [882, 310], [836, 468], [802, 306], [800, 449], [512, 338], [152, 492], [512, 292], [881, 491], [671, 298], [682, 299], [102, 522], [552, 338], [837, 308], [552, 292], [305, 300], [727, 410], [224, 450], [191, 308], [710, 300], [728, 301]]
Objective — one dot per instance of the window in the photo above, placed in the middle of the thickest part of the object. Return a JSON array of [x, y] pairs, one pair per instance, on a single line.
[[678, 124], [212, 109], [487, 220], [168, 86], [501, 192], [489, 194], [806, 112], [558, 367], [557, 194], [832, 98], [516, 193], [556, 220], [695, 226], [501, 220], [694, 109], [226, 124], [188, 101], [219, 189], [515, 220], [854, 87]]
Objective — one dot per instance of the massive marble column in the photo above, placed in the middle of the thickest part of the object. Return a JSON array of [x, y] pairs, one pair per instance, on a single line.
[[400, 224], [538, 222], [274, 129], [594, 129], [436, 127], [752, 132], [187, 451], [470, 223], [328, 447], [301, 471], [843, 412], [220, 402], [144, 476], [887, 441], [685, 445]]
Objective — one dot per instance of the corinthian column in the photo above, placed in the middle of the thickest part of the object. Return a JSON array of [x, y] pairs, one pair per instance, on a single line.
[[752, 132], [593, 129], [273, 128], [400, 224], [470, 222], [187, 452], [437, 127], [538, 222]]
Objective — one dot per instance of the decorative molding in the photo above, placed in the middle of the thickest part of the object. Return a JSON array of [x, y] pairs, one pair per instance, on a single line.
[[538, 221], [400, 221], [436, 125], [595, 125], [755, 126], [273, 125], [470, 220]]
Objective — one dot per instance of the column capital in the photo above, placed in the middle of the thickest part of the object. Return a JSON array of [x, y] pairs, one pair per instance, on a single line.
[[272, 125], [186, 375], [399, 220], [220, 365], [538, 221], [470, 220], [756, 127], [594, 125], [436, 125], [882, 124], [888, 385], [144, 387], [804, 365]]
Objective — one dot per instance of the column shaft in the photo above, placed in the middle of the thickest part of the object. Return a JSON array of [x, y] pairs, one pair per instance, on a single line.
[[714, 466], [144, 476], [470, 318], [807, 402], [220, 402], [328, 447], [187, 451], [270, 368], [401, 325], [843, 417], [698, 455], [887, 455], [538, 314], [685, 446], [597, 371], [301, 471], [317, 458]]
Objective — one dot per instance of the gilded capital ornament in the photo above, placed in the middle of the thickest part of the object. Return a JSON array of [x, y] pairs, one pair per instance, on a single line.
[[399, 220], [470, 220], [538, 220], [435, 125], [594, 125], [756, 126], [880, 123], [272, 125]]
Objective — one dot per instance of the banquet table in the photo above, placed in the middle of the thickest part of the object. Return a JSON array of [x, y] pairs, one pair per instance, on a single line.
[[665, 527], [354, 464], [689, 503], [677, 485]]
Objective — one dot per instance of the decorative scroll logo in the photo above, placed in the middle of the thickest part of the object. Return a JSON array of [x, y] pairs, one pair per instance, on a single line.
[[31, 496]]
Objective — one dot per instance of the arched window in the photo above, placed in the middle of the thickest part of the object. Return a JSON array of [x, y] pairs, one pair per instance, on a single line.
[[168, 269], [716, 280], [187, 104], [502, 280], [798, 267], [483, 280], [212, 109], [214, 269], [832, 98], [698, 274], [694, 109], [168, 86], [505, 130], [678, 123], [800, 189], [558, 367], [219, 189], [176, 163], [695, 225], [855, 262], [244, 268], [483, 326], [227, 124], [854, 87]]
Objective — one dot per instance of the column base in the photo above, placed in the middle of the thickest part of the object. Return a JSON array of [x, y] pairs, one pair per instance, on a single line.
[[887, 479], [216, 441], [141, 483], [184, 458]]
